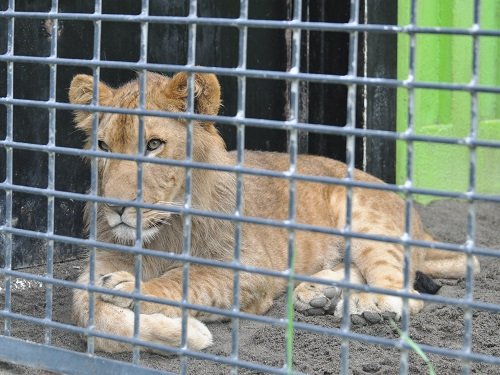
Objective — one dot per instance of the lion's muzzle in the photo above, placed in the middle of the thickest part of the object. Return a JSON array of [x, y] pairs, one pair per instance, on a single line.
[[123, 223]]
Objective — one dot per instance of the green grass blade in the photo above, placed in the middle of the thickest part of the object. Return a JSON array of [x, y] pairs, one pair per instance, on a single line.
[[414, 346]]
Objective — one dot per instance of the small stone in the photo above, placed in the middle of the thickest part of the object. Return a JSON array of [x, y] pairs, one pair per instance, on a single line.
[[358, 320], [371, 367], [331, 292], [315, 311], [372, 317], [318, 302]]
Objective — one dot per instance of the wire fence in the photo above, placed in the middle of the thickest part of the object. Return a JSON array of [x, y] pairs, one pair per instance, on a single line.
[[46, 355]]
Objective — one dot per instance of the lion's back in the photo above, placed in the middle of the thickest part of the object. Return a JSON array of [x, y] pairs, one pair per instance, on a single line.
[[268, 197], [308, 165]]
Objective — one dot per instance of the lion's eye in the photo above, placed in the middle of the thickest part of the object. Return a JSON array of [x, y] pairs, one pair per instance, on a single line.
[[154, 144], [103, 146]]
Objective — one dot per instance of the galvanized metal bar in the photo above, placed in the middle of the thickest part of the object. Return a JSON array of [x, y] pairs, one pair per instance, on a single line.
[[51, 170], [188, 198], [9, 169], [254, 73], [250, 171], [269, 124], [337, 129], [213, 310], [94, 164], [407, 235], [143, 77], [245, 219], [293, 117], [64, 361], [257, 23], [70, 362], [352, 71], [471, 214], [240, 158], [377, 340], [204, 261]]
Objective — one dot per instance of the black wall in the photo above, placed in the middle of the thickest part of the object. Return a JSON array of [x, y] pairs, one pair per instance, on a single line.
[[268, 49]]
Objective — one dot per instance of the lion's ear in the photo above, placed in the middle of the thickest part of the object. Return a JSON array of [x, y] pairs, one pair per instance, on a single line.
[[81, 91], [206, 93]]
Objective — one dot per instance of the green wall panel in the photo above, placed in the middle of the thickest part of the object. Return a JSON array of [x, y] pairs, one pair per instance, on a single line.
[[448, 58]]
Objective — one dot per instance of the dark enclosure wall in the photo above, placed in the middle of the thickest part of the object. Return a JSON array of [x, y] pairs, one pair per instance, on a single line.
[[268, 49]]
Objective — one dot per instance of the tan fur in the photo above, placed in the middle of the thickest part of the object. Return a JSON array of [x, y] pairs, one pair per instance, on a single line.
[[374, 211]]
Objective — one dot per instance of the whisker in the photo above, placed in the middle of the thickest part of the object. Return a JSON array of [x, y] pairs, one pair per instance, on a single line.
[[166, 203], [156, 219]]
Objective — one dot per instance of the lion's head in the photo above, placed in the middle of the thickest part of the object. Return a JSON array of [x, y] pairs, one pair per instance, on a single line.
[[163, 138]]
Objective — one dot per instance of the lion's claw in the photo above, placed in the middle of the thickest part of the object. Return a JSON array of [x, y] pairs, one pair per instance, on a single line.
[[370, 317], [367, 317]]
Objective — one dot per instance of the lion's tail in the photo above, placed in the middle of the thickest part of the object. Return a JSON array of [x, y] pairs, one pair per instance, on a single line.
[[446, 264]]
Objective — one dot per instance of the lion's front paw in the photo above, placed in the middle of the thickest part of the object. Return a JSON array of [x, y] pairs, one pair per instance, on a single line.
[[316, 299], [368, 308], [198, 335], [121, 280]]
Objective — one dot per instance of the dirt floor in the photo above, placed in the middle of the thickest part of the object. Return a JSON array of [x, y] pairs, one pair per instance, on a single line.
[[438, 325]]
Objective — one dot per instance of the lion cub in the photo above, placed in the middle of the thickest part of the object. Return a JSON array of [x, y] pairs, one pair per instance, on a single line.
[[375, 263]]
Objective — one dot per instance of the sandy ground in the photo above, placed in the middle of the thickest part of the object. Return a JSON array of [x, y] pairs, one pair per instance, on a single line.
[[438, 325]]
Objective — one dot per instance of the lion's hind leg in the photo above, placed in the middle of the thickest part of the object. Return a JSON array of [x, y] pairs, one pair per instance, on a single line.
[[381, 265]]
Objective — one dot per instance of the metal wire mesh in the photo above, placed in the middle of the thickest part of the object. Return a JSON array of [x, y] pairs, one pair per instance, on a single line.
[[19, 351]]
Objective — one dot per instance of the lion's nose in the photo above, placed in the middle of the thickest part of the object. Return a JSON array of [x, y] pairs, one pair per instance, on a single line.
[[118, 209]]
